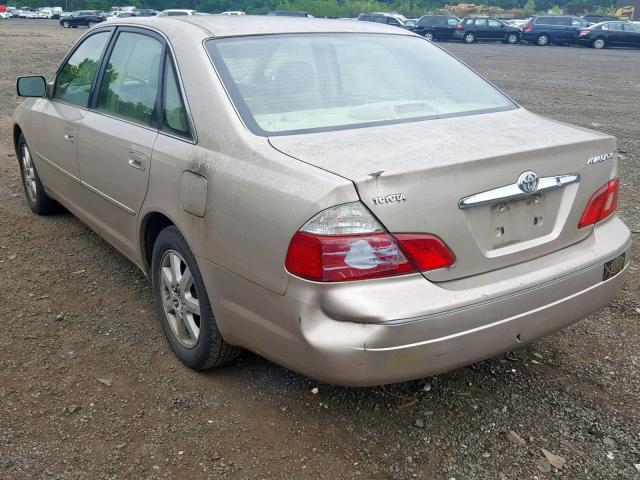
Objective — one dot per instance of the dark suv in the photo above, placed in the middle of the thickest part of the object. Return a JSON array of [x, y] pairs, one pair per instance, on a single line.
[[388, 18], [437, 27], [82, 17], [545, 29], [473, 29]]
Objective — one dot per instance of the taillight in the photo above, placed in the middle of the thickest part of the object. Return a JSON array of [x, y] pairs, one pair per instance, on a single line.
[[459, 26], [527, 28], [583, 32], [346, 243], [602, 204]]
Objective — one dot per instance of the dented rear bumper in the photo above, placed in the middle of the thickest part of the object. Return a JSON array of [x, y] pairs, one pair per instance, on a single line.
[[384, 331]]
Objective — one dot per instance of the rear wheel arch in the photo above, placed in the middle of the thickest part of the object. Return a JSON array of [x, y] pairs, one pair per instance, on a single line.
[[151, 226]]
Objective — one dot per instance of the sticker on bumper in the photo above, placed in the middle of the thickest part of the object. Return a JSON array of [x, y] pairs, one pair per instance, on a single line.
[[613, 267]]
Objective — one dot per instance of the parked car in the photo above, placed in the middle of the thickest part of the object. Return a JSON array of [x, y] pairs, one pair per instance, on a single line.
[[437, 27], [288, 13], [486, 29], [267, 230], [517, 22], [117, 15], [387, 18], [86, 18], [610, 34], [233, 13], [145, 12], [593, 19], [177, 12], [5, 15], [545, 29]]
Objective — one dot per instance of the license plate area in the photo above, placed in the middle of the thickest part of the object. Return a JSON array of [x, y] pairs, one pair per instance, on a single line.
[[519, 221], [613, 267]]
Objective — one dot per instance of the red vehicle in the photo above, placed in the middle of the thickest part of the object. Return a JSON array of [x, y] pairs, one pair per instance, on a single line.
[[3, 8]]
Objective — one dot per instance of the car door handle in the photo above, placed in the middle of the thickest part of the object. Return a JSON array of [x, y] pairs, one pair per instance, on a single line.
[[137, 160]]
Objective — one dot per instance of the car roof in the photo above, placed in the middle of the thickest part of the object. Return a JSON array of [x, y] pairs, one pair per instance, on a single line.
[[231, 26]]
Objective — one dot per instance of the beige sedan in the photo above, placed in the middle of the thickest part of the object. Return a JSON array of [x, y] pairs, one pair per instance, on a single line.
[[344, 198]]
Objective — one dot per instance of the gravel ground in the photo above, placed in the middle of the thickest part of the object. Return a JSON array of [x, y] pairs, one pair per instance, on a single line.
[[90, 389]]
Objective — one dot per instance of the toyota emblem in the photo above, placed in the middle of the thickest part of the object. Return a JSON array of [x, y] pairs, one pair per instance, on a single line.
[[528, 182]]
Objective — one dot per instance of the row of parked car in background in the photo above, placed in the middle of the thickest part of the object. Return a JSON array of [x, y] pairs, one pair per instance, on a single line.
[[591, 30], [597, 31]]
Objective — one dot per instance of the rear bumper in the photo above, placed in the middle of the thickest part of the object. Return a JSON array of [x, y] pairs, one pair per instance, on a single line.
[[385, 331]]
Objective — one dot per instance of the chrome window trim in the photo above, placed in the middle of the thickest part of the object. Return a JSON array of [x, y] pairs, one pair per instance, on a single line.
[[512, 192]]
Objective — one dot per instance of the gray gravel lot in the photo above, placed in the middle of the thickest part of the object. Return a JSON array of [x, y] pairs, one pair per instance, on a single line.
[[74, 311]]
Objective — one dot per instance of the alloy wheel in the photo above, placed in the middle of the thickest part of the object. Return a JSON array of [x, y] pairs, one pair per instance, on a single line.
[[429, 36], [180, 299], [29, 174], [512, 38], [543, 40], [598, 43], [469, 38]]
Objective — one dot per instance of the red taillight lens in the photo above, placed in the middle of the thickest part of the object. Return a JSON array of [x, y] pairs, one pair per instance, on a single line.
[[583, 32], [459, 26], [602, 204], [527, 28], [426, 251], [339, 258]]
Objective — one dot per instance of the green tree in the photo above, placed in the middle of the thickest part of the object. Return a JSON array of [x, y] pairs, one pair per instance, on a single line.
[[529, 8]]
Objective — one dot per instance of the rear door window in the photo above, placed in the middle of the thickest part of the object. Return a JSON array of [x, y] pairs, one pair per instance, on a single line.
[[75, 78], [494, 24], [481, 22], [129, 87], [174, 112]]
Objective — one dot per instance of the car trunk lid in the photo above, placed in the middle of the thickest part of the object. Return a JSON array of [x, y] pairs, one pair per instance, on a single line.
[[425, 177]]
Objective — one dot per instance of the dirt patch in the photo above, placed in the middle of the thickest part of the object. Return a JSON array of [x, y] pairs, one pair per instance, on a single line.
[[73, 311]]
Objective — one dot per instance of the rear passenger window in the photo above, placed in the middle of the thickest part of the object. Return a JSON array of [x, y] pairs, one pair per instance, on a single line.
[[129, 87], [73, 83], [481, 22], [566, 21], [494, 23], [174, 113]]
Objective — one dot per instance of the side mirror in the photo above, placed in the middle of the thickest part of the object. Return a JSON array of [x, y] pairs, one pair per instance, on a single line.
[[32, 86]]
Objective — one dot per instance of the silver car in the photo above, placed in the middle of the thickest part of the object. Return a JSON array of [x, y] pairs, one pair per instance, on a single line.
[[344, 198]]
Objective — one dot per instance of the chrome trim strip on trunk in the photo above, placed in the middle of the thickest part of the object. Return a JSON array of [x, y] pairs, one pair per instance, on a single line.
[[513, 192]]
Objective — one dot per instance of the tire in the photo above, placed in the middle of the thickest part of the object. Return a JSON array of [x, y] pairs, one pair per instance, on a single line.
[[469, 37], [66, 24], [176, 305], [428, 36], [90, 24], [37, 199], [542, 40], [599, 43], [512, 38]]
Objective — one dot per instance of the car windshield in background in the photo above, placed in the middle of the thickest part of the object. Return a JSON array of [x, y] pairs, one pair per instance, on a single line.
[[298, 83]]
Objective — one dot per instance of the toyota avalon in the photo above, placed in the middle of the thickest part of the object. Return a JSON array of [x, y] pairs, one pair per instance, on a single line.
[[344, 198]]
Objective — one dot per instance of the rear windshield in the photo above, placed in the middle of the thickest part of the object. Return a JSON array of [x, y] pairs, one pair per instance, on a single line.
[[299, 83]]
